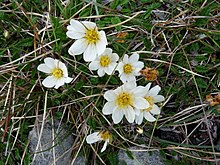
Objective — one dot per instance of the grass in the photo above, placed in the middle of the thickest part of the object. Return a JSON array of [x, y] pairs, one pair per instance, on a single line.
[[181, 39]]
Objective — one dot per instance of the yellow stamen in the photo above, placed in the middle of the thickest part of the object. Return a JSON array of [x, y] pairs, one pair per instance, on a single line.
[[105, 135], [124, 99], [127, 68], [57, 73], [104, 61], [151, 102], [92, 36]]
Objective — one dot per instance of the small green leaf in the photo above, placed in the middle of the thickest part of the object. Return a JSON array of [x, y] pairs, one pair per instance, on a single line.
[[201, 83], [130, 155], [92, 123], [79, 85], [201, 69], [112, 157], [150, 8], [85, 12], [116, 20], [200, 58], [25, 42]]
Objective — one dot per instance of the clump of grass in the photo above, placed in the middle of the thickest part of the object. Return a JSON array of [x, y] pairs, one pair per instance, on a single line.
[[180, 40]]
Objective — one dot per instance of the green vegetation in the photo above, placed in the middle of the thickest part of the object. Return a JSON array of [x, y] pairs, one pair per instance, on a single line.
[[181, 39]]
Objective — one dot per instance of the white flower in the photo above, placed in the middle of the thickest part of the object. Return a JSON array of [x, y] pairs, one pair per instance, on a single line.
[[152, 97], [89, 40], [57, 71], [127, 100], [99, 136], [105, 63], [129, 67]]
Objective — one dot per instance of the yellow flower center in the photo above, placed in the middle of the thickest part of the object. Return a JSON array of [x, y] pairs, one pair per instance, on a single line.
[[105, 135], [104, 61], [127, 68], [124, 99], [151, 102], [57, 73], [92, 36]]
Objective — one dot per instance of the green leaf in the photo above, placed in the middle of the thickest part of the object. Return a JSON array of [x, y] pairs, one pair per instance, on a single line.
[[79, 85], [112, 157], [201, 83], [25, 42], [150, 8], [117, 3], [85, 12], [116, 20], [200, 58], [201, 69], [92, 123], [129, 154]]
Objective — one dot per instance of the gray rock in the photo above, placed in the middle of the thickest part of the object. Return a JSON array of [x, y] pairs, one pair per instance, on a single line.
[[63, 141], [140, 157]]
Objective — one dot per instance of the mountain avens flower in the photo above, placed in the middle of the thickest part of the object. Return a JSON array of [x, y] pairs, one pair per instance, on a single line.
[[129, 67], [105, 63], [57, 71], [89, 40], [127, 100], [99, 136], [152, 97]]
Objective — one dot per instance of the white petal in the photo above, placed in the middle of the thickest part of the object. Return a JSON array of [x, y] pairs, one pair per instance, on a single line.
[[133, 58], [110, 95], [118, 91], [125, 58], [101, 43], [78, 47], [138, 65], [108, 108], [104, 146], [50, 62], [141, 103], [129, 85], [90, 54], [139, 118], [74, 34], [130, 114], [89, 25], [139, 91], [68, 79], [117, 115], [92, 138], [109, 70], [155, 110], [154, 91], [108, 51], [114, 57], [149, 117], [123, 78], [127, 78], [137, 111], [148, 86], [44, 68], [101, 72], [49, 82], [59, 83], [158, 98], [120, 67], [94, 65], [76, 26]]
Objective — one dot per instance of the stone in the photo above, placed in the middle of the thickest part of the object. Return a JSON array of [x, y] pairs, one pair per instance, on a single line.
[[63, 141], [140, 157]]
